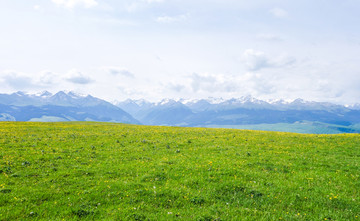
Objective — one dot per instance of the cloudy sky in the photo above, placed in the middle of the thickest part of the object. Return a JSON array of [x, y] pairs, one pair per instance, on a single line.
[[154, 49]]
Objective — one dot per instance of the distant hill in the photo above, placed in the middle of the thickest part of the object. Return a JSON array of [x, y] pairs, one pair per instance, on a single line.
[[62, 106], [243, 113], [233, 113]]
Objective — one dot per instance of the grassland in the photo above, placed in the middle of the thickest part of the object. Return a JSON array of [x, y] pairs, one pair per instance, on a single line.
[[306, 127], [71, 171]]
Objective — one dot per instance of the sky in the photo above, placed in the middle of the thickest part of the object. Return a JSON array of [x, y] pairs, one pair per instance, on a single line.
[[191, 49]]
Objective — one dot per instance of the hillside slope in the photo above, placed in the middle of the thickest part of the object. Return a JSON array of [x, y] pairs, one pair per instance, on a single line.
[[106, 171], [244, 111], [62, 106]]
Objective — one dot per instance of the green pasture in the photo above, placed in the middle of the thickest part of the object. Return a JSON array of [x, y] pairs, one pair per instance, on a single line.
[[105, 171]]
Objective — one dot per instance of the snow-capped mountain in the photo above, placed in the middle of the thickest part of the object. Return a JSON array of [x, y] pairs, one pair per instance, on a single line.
[[137, 108], [238, 111], [354, 107], [62, 106], [211, 112], [199, 105], [165, 112], [43, 94], [300, 104], [61, 98], [246, 102]]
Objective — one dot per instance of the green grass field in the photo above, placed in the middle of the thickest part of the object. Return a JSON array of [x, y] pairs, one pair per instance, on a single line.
[[306, 127], [104, 171]]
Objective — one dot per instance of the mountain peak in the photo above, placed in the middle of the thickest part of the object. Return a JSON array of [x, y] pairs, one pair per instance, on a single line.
[[213, 100], [299, 101], [19, 93], [77, 95], [251, 99], [167, 102], [43, 94], [277, 101], [60, 93], [142, 102]]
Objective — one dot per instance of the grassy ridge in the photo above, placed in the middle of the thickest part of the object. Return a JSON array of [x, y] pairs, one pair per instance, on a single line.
[[124, 172], [306, 127]]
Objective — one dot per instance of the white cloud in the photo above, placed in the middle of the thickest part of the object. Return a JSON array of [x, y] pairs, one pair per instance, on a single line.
[[73, 3], [256, 60], [248, 83], [112, 21], [17, 80], [30, 81], [119, 71], [171, 19], [154, 1], [48, 78], [132, 91], [282, 61], [213, 36], [279, 12], [269, 37], [175, 87], [258, 85], [203, 81], [76, 77], [135, 5], [202, 85]]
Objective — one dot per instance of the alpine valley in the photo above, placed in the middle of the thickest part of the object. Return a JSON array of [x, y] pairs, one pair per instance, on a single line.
[[242, 113]]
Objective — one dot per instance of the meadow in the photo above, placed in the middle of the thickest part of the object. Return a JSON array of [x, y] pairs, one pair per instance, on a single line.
[[108, 171]]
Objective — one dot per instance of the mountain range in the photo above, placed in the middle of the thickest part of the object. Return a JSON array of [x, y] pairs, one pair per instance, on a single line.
[[245, 112], [61, 106]]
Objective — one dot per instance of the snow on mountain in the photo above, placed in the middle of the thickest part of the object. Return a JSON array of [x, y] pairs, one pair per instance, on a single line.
[[61, 98], [213, 100], [75, 95], [71, 98], [69, 105], [278, 101], [62, 105], [249, 99], [43, 94], [142, 102], [167, 102], [300, 104], [199, 105], [19, 93], [139, 103], [354, 107], [246, 102]]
